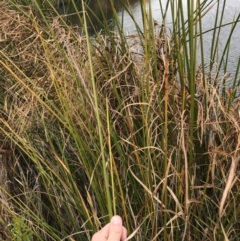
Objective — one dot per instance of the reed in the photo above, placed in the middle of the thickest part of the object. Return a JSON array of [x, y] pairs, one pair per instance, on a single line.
[[94, 126]]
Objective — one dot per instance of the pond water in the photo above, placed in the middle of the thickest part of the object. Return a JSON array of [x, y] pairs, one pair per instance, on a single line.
[[232, 10]]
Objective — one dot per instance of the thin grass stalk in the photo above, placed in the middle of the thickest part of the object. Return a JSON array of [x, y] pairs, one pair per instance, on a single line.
[[164, 12], [184, 70], [235, 84], [216, 33], [119, 27], [191, 78], [97, 114], [150, 55], [176, 11], [146, 45], [182, 51], [203, 77], [152, 41], [179, 55], [227, 45], [104, 23], [138, 29], [111, 160], [165, 139], [123, 200], [225, 52]]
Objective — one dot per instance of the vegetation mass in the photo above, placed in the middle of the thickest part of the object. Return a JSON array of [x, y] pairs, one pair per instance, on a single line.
[[103, 124]]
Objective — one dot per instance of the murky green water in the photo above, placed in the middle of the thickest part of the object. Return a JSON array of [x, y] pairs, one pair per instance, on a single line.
[[99, 13]]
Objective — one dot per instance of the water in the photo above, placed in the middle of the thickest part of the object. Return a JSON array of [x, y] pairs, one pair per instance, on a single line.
[[97, 17], [232, 10]]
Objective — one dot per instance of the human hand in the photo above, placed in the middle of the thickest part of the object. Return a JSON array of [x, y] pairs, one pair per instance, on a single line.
[[113, 231]]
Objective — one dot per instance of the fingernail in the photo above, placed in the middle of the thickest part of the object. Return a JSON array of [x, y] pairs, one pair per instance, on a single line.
[[116, 220]]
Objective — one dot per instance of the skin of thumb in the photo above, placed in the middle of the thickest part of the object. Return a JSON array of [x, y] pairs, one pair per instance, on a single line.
[[115, 229]]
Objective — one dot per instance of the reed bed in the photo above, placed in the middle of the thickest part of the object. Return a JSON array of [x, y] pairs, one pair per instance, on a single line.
[[114, 124]]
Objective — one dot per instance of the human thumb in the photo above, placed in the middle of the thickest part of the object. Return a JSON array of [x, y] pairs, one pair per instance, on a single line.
[[115, 229]]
